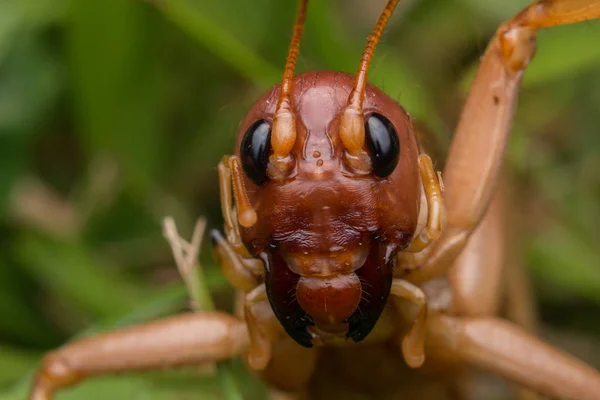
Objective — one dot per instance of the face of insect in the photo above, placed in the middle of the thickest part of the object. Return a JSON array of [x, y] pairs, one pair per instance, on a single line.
[[327, 234]]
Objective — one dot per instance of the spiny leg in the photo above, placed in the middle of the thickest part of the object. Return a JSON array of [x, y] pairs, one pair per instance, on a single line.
[[506, 350], [475, 157], [187, 339]]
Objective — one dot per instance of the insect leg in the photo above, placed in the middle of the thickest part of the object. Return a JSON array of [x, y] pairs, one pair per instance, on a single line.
[[290, 369], [232, 229], [505, 349], [242, 273], [263, 327], [436, 212], [520, 306], [487, 265], [413, 342], [240, 268], [477, 151], [476, 276], [187, 339], [272, 353]]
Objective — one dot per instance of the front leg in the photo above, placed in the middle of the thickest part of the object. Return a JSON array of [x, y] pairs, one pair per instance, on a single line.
[[240, 268], [412, 345], [263, 328], [243, 273], [187, 339], [475, 157]]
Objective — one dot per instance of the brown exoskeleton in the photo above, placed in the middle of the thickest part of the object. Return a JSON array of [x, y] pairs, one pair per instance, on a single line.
[[347, 283]]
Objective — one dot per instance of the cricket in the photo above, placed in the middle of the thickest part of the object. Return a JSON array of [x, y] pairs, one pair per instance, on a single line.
[[358, 266]]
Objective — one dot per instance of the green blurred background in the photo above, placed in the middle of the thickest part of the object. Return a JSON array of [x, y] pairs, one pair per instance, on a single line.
[[115, 113]]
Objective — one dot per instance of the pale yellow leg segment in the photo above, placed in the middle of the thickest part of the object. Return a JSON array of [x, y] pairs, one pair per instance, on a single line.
[[241, 273], [263, 328], [232, 176], [228, 180], [477, 151], [231, 228], [240, 269], [187, 339], [413, 343], [506, 350], [436, 213]]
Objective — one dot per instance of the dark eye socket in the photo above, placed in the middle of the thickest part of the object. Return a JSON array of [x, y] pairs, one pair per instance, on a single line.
[[384, 144], [255, 150]]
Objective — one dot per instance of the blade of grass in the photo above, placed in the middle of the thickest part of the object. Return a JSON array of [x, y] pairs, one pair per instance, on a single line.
[[29, 85], [69, 271], [114, 63], [220, 42]]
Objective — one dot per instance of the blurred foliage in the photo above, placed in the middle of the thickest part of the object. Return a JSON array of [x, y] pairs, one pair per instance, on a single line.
[[114, 114]]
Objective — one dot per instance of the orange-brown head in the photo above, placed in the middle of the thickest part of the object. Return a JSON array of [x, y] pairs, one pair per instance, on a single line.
[[331, 194], [328, 229]]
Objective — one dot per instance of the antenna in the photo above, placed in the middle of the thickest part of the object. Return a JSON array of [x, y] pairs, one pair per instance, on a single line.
[[352, 125], [283, 135]]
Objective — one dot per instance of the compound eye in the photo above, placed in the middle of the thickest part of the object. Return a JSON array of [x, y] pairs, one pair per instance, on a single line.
[[384, 144], [255, 150]]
